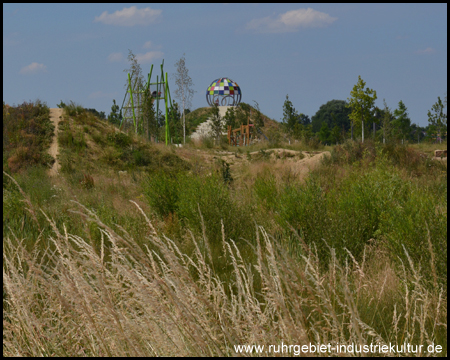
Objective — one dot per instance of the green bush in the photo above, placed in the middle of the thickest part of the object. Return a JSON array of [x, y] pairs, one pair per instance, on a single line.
[[119, 139], [72, 109], [27, 133], [161, 190], [187, 195], [212, 197], [401, 156], [419, 223], [374, 203], [98, 138], [266, 191], [70, 140]]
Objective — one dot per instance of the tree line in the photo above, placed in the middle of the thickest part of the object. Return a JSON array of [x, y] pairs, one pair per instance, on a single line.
[[358, 117]]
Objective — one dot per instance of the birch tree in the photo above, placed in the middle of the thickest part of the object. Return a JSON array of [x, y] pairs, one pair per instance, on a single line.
[[137, 83], [361, 102], [438, 118], [184, 91]]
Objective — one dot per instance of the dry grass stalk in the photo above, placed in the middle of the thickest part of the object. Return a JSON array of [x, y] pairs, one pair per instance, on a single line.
[[162, 302]]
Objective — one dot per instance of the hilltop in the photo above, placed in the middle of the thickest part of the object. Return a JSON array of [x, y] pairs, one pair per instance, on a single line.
[[200, 115]]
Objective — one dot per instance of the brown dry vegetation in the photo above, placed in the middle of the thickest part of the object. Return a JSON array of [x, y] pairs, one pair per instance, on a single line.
[[121, 301], [138, 249]]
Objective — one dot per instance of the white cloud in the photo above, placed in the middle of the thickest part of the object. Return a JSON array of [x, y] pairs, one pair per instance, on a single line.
[[291, 21], [428, 50], [33, 68], [149, 56], [129, 17], [147, 45], [115, 57], [101, 94]]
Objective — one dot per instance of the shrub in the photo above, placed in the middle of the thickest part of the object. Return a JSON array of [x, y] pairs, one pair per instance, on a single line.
[[27, 133], [71, 141], [375, 203], [73, 109], [189, 196], [161, 190], [119, 139], [419, 225]]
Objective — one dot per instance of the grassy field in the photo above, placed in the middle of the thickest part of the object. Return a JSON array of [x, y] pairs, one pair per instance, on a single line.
[[138, 249]]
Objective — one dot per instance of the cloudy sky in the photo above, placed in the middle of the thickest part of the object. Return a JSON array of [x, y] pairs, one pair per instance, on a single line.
[[312, 52]]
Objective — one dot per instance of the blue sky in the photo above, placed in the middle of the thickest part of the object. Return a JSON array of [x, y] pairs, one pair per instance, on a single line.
[[313, 52]]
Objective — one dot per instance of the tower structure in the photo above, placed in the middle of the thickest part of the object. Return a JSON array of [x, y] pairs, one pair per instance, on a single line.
[[131, 109]]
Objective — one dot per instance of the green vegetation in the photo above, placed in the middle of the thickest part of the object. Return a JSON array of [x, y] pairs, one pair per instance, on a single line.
[[27, 134], [333, 113], [138, 249], [361, 102], [438, 119]]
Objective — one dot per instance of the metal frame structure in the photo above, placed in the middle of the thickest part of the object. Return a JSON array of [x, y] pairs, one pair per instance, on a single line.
[[241, 136], [136, 92], [223, 96]]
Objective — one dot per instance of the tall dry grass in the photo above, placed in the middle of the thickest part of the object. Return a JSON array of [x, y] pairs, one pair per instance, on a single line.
[[75, 300]]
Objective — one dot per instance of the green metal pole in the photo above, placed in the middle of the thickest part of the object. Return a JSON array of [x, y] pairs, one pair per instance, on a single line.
[[157, 100], [149, 76], [146, 91], [132, 104], [165, 101]]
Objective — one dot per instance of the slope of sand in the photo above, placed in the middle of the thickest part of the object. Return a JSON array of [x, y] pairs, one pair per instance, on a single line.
[[53, 151]]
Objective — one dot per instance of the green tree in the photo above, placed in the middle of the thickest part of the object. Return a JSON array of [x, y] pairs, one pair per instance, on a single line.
[[216, 124], [149, 115], [335, 134], [115, 117], [438, 118], [175, 123], [307, 133], [298, 131], [361, 102], [184, 91], [258, 120], [230, 117], [304, 119], [334, 112], [324, 133], [401, 122], [416, 133], [386, 119], [290, 115], [376, 119], [242, 113]]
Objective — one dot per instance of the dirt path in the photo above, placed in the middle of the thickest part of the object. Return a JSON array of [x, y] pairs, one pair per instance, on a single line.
[[53, 151]]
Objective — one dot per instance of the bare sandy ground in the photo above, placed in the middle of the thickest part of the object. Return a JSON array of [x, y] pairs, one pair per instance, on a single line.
[[53, 151], [279, 160]]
